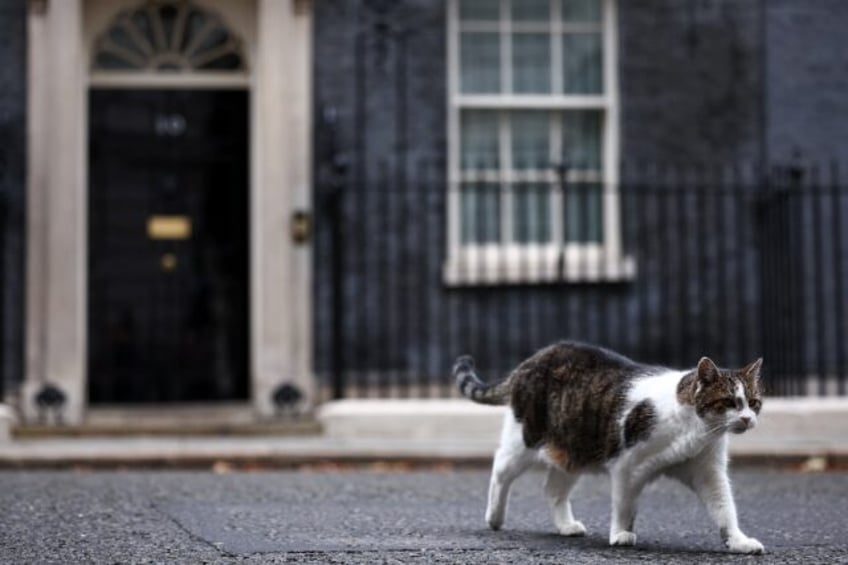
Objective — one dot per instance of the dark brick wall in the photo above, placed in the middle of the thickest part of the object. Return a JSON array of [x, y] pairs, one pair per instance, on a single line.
[[807, 66], [12, 185], [691, 93], [807, 126], [690, 81], [383, 77], [690, 73]]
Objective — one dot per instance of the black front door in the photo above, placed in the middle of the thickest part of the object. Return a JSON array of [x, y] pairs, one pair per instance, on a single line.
[[168, 252]]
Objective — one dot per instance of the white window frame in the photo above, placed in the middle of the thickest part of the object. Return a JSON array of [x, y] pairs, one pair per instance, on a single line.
[[556, 261]]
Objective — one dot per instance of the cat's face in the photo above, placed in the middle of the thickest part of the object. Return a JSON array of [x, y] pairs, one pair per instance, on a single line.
[[728, 399]]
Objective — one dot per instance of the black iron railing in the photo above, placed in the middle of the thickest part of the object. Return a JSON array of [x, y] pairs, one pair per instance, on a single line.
[[666, 265]]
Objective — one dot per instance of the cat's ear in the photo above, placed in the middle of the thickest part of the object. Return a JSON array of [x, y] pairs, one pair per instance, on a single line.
[[751, 372], [707, 370]]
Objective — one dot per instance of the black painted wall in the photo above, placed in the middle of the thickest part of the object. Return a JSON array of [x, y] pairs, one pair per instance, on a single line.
[[807, 69], [690, 77], [12, 186], [712, 83]]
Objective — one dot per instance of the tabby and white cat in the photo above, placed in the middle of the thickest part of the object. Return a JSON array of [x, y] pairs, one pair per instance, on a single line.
[[579, 408]]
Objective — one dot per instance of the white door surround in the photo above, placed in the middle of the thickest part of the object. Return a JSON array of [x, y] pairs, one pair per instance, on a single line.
[[277, 42]]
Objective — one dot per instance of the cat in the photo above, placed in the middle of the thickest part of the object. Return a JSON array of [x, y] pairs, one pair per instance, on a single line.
[[577, 408]]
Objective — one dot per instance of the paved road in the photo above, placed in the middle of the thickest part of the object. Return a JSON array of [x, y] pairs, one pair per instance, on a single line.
[[390, 517]]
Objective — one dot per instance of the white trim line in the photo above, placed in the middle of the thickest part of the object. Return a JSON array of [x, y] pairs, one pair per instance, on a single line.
[[454, 229], [513, 264], [612, 128], [531, 101], [150, 80], [531, 27]]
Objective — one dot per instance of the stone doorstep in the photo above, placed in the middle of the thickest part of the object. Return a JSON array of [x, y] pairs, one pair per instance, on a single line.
[[201, 419], [7, 421], [794, 423]]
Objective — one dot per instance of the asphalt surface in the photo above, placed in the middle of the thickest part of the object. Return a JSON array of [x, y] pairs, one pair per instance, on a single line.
[[392, 517]]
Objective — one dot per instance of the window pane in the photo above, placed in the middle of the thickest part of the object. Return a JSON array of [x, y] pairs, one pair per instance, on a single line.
[[481, 212], [581, 10], [582, 63], [581, 139], [531, 63], [480, 62], [531, 10], [479, 140], [583, 213], [530, 140], [479, 10], [531, 213]]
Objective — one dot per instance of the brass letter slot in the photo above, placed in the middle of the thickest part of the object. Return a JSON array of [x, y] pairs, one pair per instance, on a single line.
[[169, 227]]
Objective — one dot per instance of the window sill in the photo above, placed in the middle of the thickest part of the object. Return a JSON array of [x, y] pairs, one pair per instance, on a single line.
[[498, 265]]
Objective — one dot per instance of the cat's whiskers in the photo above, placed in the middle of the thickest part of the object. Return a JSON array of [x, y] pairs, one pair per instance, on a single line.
[[720, 429], [714, 429]]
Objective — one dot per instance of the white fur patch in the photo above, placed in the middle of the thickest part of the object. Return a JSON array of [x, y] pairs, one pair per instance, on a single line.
[[740, 395]]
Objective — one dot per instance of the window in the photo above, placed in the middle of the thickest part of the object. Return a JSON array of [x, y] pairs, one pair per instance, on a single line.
[[160, 39], [533, 132]]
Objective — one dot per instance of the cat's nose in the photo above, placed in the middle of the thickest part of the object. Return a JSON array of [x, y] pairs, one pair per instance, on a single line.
[[745, 420]]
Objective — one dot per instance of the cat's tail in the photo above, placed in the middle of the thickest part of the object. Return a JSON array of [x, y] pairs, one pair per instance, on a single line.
[[475, 389]]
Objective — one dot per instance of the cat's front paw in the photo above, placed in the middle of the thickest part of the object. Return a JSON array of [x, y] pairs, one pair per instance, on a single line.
[[573, 529], [623, 538], [494, 520], [744, 544]]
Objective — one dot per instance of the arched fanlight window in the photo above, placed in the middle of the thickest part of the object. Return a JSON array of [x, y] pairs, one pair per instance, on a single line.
[[167, 35]]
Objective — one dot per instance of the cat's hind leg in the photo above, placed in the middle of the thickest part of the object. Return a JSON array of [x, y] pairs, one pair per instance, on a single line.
[[511, 460], [558, 487]]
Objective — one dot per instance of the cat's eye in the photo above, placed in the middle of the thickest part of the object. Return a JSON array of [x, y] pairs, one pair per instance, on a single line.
[[730, 403], [754, 404]]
